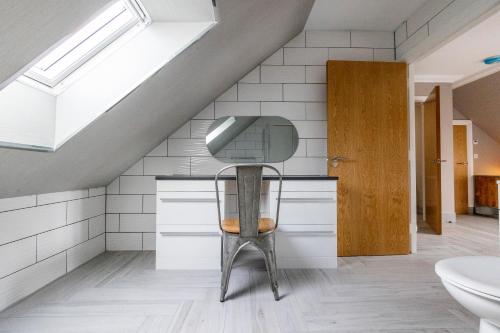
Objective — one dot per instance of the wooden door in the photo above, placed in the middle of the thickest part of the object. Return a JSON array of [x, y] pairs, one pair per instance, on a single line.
[[432, 161], [461, 169], [368, 151]]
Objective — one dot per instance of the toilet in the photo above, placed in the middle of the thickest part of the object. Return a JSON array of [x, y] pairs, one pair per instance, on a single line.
[[475, 283]]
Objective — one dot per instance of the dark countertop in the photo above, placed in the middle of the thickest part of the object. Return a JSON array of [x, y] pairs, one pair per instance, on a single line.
[[229, 177]]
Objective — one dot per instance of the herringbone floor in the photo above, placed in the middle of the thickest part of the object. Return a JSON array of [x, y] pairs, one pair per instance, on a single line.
[[121, 292]]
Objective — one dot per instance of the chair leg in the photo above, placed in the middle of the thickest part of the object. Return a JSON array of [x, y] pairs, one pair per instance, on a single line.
[[273, 273], [221, 251], [267, 246], [230, 248]]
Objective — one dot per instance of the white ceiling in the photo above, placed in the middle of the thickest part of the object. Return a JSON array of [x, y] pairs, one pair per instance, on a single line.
[[460, 60], [378, 15]]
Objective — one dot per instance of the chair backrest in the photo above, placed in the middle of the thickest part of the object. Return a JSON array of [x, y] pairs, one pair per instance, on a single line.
[[249, 183]]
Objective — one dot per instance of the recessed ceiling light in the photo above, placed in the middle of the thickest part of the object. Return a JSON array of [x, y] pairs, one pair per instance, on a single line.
[[492, 60]]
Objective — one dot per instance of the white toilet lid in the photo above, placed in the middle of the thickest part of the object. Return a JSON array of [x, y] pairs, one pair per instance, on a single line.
[[481, 274]]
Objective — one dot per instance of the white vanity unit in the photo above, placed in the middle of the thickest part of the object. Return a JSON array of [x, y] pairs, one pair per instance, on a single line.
[[188, 235]]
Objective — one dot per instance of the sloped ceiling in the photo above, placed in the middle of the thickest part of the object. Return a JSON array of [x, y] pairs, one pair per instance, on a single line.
[[247, 33], [28, 28], [480, 102], [379, 15]]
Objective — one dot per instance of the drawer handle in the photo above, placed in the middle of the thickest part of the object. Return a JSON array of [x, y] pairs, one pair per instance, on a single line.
[[192, 234], [307, 199], [308, 233], [188, 200]]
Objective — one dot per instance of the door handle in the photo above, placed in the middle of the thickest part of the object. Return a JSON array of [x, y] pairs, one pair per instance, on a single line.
[[439, 161], [336, 159], [463, 163]]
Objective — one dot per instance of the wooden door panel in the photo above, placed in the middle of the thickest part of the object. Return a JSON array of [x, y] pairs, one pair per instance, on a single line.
[[461, 169], [367, 124], [432, 158]]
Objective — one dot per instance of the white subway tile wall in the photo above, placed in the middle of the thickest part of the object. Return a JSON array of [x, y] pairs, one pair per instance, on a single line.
[[433, 22], [293, 111], [149, 241], [17, 202], [112, 222], [97, 225], [305, 56], [290, 83], [45, 236], [373, 39], [83, 252], [20, 284], [124, 241], [297, 41], [182, 132], [282, 74], [252, 77], [275, 59], [424, 14], [325, 38], [383, 54], [360, 54], [136, 169], [401, 34], [137, 222]]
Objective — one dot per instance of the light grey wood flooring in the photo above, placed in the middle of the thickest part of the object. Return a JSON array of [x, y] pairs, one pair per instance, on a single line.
[[121, 292]]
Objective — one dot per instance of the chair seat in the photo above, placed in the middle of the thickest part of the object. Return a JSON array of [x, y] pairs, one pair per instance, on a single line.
[[232, 225]]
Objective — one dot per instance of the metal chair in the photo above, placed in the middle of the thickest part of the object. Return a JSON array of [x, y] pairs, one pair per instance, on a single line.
[[249, 228]]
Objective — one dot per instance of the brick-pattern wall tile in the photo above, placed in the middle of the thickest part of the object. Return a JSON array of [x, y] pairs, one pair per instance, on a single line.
[[290, 83], [43, 237]]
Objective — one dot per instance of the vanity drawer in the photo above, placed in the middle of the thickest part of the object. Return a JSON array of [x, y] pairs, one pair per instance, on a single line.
[[313, 208], [187, 185], [187, 208], [306, 250], [305, 186], [182, 251]]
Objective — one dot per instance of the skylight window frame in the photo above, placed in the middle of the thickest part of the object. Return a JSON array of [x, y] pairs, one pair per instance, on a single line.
[[141, 20]]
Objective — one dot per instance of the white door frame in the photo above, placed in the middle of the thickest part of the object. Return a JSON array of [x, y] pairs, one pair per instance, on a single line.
[[412, 158], [470, 159], [421, 100]]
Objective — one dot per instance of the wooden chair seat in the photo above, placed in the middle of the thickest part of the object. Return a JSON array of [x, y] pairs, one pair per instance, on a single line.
[[232, 225]]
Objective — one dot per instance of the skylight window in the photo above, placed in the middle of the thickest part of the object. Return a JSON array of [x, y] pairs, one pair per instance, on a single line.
[[87, 42]]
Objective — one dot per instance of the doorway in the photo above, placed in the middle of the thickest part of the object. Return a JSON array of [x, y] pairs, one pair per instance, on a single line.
[[460, 166], [428, 162], [463, 166], [432, 161]]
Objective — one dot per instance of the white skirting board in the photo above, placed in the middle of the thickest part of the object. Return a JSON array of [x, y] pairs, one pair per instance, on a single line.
[[449, 217]]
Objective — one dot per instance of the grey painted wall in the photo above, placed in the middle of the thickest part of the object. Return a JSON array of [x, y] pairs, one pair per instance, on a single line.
[[480, 101]]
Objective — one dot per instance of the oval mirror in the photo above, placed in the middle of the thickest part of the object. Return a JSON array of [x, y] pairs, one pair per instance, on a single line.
[[252, 139]]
